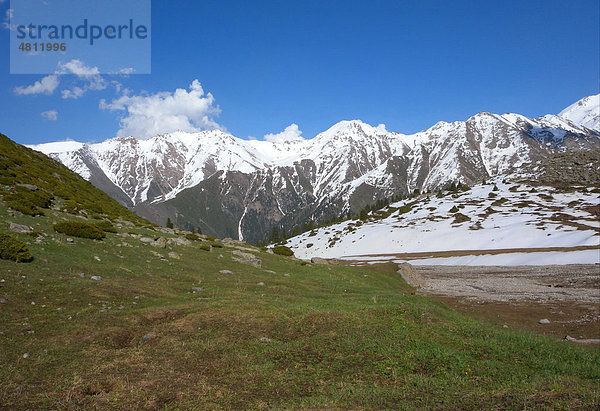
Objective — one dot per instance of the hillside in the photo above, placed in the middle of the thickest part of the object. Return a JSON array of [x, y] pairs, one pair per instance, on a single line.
[[31, 182], [231, 187], [503, 222], [152, 318]]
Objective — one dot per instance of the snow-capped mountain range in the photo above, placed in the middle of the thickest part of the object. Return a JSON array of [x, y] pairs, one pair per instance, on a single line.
[[242, 188]]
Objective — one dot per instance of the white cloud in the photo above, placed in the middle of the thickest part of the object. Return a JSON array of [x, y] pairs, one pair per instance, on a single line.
[[51, 115], [73, 93], [46, 85], [164, 112], [291, 133], [90, 76]]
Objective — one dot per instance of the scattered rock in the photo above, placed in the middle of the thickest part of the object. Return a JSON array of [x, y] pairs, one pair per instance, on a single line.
[[583, 341], [96, 278], [319, 260], [197, 289], [226, 272], [246, 258], [261, 284], [266, 340], [97, 258], [286, 275], [230, 241], [146, 338], [70, 240], [270, 251], [173, 255], [147, 240], [19, 228], [178, 241], [3, 300], [544, 321], [408, 273], [161, 242], [26, 355], [270, 272], [30, 187]]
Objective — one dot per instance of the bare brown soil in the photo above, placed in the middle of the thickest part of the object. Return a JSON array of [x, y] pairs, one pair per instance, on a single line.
[[460, 253], [568, 296]]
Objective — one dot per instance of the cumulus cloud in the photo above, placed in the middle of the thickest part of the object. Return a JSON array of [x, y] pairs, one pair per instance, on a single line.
[[89, 75], [46, 85], [148, 115], [89, 79], [290, 133], [51, 115]]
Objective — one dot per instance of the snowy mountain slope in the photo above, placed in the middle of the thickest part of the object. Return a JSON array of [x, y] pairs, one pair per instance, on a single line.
[[585, 112], [342, 169], [495, 216]]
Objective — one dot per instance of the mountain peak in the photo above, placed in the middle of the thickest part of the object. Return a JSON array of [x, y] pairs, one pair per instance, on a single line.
[[585, 112]]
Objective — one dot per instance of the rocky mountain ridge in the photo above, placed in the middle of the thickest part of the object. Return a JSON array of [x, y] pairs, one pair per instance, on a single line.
[[243, 188]]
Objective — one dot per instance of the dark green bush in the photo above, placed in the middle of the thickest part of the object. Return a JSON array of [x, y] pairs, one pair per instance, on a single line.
[[209, 238], [105, 226], [205, 247], [216, 245], [192, 237], [26, 209], [29, 202], [283, 250], [71, 206], [77, 229], [14, 249]]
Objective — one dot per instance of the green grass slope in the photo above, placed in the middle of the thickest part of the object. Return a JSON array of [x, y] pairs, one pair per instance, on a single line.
[[56, 186], [170, 325]]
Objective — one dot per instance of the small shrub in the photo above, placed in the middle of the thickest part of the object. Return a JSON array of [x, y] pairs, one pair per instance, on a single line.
[[216, 245], [71, 206], [404, 209], [209, 238], [499, 201], [77, 229], [312, 233], [192, 237], [14, 249], [309, 245], [205, 247], [26, 209], [460, 218], [29, 202], [283, 250], [106, 226]]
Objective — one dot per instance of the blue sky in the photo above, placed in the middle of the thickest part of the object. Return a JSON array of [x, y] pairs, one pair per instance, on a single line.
[[269, 64]]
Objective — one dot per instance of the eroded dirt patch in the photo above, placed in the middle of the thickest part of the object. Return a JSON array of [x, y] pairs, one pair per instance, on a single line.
[[567, 295]]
